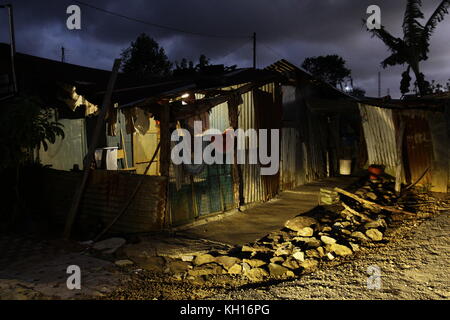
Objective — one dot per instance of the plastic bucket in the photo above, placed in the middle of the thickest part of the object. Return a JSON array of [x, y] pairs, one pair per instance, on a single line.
[[345, 167]]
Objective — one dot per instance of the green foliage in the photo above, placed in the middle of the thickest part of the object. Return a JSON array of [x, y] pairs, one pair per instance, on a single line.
[[358, 92], [25, 126], [145, 58], [330, 68], [414, 46]]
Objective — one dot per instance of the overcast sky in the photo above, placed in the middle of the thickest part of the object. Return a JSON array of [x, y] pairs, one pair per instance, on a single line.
[[290, 29]]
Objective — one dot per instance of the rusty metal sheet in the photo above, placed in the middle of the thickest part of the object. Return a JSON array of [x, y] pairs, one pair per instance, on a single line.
[[379, 132], [418, 150]]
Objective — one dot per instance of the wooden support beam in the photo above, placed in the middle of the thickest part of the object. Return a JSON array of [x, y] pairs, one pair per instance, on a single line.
[[399, 168], [371, 204], [164, 130], [100, 125]]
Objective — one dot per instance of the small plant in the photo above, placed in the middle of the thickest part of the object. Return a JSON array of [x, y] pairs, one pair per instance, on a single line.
[[25, 127]]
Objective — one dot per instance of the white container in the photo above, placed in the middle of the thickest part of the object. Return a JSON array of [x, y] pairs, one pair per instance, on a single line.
[[111, 157], [345, 167]]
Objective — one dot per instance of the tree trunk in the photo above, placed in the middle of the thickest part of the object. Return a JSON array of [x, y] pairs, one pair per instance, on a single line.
[[420, 80]]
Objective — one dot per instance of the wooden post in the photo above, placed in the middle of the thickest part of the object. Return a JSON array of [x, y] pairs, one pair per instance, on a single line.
[[399, 169], [164, 156], [164, 130], [100, 125], [254, 50]]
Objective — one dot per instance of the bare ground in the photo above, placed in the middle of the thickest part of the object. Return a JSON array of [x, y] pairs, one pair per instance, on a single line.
[[414, 264]]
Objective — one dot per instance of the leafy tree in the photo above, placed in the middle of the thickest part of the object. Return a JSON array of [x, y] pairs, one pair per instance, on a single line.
[[26, 126], [358, 92], [414, 46], [330, 68], [145, 58], [184, 64]]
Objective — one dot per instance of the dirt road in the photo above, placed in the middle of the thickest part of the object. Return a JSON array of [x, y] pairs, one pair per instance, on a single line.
[[414, 265]]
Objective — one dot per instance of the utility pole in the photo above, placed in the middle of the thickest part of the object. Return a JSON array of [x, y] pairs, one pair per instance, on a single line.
[[13, 44], [379, 84], [63, 55], [254, 50]]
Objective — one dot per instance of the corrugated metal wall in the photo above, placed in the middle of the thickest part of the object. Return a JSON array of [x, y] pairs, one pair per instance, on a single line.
[[418, 151], [105, 195], [254, 190], [64, 153], [380, 135], [108, 191]]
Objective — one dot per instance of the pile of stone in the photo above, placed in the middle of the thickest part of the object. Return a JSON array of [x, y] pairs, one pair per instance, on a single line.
[[323, 234], [381, 191], [300, 247]]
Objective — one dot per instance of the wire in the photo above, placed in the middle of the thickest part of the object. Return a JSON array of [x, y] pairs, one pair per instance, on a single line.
[[275, 52], [157, 25], [234, 50]]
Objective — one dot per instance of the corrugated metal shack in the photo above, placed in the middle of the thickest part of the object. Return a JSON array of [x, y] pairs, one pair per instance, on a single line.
[[410, 138], [315, 120], [320, 126]]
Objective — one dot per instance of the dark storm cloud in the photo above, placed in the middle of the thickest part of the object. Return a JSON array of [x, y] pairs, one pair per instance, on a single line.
[[285, 29]]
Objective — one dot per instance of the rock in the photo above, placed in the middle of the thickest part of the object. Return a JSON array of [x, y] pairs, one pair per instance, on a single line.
[[276, 259], [327, 240], [325, 220], [309, 265], [187, 258], [371, 196], [342, 224], [359, 236], [124, 263], [380, 223], [374, 234], [283, 251], [340, 250], [254, 263], [300, 222], [326, 229], [305, 232], [300, 256], [178, 266], [110, 245], [310, 242], [346, 232], [257, 274], [321, 251], [204, 259], [278, 271], [291, 264], [246, 267], [312, 253], [155, 264], [330, 256], [206, 270], [235, 269], [226, 261], [255, 248], [354, 246]]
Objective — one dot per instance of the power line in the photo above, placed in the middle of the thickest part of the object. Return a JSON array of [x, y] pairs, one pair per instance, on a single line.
[[151, 24], [275, 52], [240, 46]]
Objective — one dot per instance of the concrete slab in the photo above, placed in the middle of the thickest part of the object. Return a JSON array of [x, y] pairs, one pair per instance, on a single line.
[[256, 222]]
